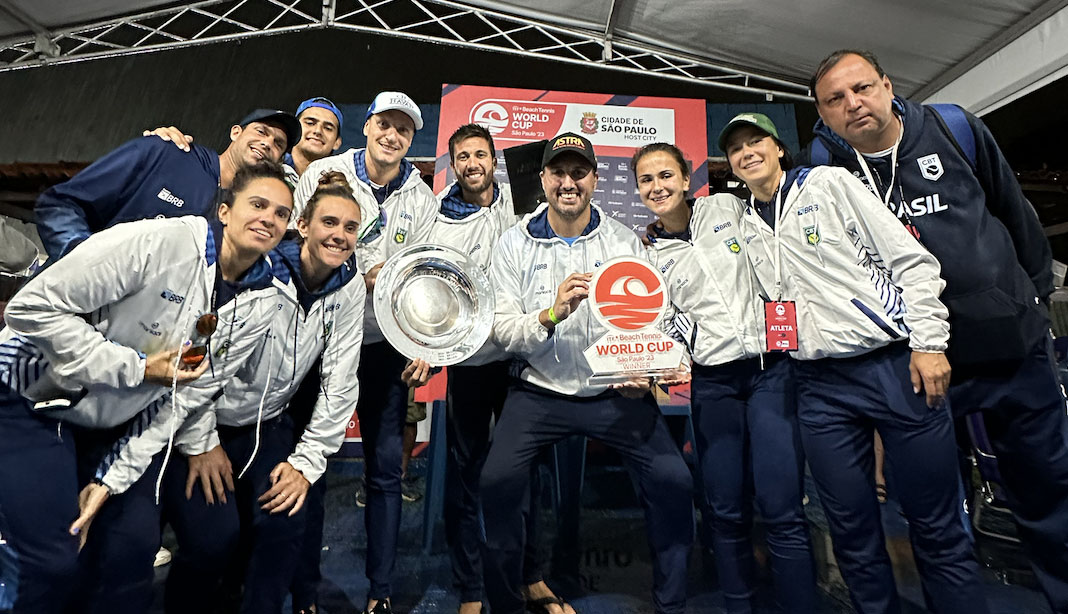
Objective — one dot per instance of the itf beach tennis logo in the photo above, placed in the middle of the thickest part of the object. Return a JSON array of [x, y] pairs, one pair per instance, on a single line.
[[491, 116], [628, 294]]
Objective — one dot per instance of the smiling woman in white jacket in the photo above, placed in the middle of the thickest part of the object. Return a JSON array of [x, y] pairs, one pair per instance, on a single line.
[[97, 339], [318, 313], [743, 403], [871, 334]]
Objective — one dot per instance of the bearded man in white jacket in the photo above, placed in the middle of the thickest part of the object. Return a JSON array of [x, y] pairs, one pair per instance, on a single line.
[[549, 398]]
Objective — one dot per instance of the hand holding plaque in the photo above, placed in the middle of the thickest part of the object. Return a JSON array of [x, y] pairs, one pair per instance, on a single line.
[[628, 295]]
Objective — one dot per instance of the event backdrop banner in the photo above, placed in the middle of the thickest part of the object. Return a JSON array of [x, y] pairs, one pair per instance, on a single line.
[[616, 125]]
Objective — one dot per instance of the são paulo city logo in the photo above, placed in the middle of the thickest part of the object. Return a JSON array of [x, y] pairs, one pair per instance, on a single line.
[[588, 124], [628, 295]]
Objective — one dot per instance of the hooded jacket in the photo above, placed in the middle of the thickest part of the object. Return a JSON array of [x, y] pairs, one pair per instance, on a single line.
[[859, 279], [81, 329], [993, 252], [529, 264], [142, 179], [710, 280], [402, 219], [474, 231], [306, 325]]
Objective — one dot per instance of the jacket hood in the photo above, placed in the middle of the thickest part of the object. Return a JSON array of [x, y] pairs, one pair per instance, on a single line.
[[287, 255], [453, 205], [795, 177], [259, 276], [539, 229], [406, 169], [910, 111]]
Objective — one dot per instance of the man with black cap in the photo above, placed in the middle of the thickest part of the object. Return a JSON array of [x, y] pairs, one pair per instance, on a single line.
[[397, 209], [148, 177], [556, 247]]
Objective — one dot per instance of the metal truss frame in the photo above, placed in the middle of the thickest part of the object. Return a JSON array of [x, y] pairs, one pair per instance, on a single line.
[[434, 21]]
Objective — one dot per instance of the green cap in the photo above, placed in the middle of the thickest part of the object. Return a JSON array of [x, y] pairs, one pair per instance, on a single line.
[[753, 119]]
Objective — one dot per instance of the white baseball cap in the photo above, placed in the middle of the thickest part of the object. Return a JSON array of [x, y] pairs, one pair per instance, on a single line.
[[397, 101]]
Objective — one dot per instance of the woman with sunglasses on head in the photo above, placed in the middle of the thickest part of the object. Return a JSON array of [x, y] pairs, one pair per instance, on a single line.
[[742, 398], [96, 341], [869, 346]]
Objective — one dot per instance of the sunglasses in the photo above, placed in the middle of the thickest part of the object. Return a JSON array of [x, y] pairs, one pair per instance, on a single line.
[[205, 327]]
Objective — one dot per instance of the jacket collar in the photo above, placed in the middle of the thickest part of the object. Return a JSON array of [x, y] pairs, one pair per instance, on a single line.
[[454, 207], [538, 227], [260, 275], [381, 194], [287, 257]]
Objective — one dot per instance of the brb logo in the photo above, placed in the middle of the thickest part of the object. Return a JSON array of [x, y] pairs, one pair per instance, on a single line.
[[628, 294], [491, 116]]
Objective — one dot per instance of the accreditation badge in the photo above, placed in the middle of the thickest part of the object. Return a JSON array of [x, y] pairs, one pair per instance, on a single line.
[[780, 323]]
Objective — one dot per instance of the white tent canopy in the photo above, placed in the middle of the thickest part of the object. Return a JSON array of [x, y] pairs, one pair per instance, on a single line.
[[979, 53]]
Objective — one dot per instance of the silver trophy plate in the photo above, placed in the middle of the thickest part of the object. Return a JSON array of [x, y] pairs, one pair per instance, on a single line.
[[434, 303]]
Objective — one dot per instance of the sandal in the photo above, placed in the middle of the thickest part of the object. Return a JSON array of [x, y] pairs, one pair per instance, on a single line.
[[541, 606], [880, 492]]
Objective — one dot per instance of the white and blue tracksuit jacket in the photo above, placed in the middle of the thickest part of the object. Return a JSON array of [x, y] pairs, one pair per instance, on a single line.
[[474, 231], [401, 218], [82, 328], [711, 283], [528, 266], [305, 326], [859, 279]]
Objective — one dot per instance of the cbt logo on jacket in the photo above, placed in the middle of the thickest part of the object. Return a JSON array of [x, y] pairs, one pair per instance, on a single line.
[[930, 167], [628, 294]]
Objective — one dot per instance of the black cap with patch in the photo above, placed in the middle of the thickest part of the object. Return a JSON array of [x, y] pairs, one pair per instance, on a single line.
[[287, 121], [568, 141]]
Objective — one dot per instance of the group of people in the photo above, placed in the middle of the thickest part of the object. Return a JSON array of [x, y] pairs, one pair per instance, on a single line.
[[197, 344]]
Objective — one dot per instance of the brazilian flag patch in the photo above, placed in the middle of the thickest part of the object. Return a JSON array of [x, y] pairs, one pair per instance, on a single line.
[[732, 244], [812, 233], [400, 236]]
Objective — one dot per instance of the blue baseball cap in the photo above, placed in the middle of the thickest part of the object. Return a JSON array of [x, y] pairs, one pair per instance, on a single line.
[[322, 103], [397, 101]]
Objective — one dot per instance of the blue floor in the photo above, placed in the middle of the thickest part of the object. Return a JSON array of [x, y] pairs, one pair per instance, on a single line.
[[608, 572]]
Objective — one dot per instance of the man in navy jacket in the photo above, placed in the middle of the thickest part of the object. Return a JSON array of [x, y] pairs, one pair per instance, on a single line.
[[148, 177], [943, 175]]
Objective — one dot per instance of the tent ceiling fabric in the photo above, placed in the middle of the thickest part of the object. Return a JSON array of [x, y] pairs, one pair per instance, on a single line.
[[918, 42]]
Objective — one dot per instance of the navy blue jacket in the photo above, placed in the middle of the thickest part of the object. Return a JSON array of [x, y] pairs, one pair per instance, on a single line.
[[994, 254], [144, 178]]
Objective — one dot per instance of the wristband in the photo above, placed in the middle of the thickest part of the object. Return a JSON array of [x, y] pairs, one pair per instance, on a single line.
[[553, 318]]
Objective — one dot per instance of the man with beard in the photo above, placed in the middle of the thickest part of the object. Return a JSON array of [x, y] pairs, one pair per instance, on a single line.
[[148, 177], [550, 398], [398, 210], [474, 212], [940, 171]]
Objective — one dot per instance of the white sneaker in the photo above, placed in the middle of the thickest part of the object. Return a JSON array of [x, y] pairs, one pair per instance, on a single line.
[[162, 558]]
